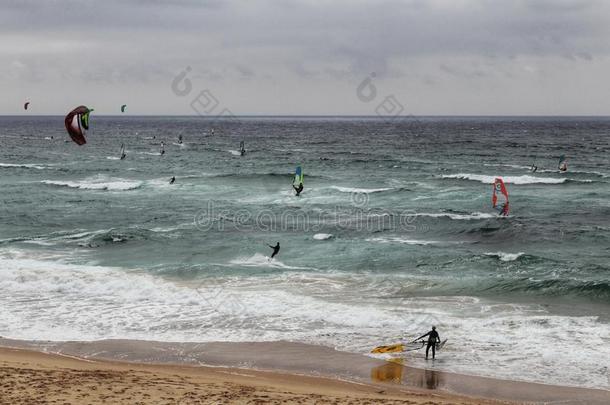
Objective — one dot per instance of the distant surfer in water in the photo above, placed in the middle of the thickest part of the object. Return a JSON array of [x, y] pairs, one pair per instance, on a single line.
[[162, 148], [433, 339], [534, 168], [298, 189], [276, 250], [504, 209], [172, 180]]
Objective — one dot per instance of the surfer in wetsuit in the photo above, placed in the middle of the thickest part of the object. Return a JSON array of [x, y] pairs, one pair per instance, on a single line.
[[275, 248], [172, 180], [433, 339], [504, 210], [298, 189]]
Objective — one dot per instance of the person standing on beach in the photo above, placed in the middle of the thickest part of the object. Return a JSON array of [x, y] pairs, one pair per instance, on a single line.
[[433, 339]]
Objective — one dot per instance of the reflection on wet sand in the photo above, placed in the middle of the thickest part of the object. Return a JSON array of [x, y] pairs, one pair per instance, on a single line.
[[394, 372], [389, 372]]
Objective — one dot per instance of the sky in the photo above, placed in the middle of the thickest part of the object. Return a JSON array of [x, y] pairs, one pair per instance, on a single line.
[[306, 57]]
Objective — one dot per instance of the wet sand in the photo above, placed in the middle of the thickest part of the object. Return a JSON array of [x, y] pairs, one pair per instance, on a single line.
[[28, 377], [127, 371]]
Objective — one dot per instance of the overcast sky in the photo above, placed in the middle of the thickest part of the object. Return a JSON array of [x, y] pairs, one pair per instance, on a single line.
[[436, 57]]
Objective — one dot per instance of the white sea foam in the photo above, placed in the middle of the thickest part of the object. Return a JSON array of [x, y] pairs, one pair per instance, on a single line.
[[259, 260], [323, 236], [505, 257], [472, 216], [234, 152], [25, 165], [403, 241], [59, 301], [360, 190], [525, 179], [98, 183]]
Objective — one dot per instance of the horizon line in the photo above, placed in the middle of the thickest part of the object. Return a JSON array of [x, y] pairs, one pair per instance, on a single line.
[[215, 117]]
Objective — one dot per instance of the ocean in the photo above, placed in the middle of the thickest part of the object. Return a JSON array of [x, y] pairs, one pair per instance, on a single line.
[[393, 233]]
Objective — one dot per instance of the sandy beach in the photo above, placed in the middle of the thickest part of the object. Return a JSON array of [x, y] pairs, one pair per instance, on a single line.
[[128, 371], [30, 377]]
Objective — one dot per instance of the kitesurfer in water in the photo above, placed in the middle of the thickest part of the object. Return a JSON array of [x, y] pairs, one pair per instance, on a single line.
[[298, 189], [172, 180], [275, 248], [433, 339]]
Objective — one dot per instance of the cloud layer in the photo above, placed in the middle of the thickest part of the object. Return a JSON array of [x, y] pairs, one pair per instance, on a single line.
[[308, 56]]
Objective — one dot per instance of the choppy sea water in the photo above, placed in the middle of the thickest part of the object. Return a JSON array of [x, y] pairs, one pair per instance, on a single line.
[[393, 233]]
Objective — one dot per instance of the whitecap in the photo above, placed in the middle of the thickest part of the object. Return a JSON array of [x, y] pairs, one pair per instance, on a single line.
[[525, 179], [505, 257], [360, 190]]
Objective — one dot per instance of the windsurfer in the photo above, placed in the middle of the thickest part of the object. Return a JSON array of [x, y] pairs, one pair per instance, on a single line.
[[298, 189], [172, 180], [433, 339], [504, 209]]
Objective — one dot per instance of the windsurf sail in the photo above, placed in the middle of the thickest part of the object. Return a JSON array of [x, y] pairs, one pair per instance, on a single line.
[[499, 199], [26, 105], [123, 107], [563, 163], [77, 124], [298, 177], [162, 152], [399, 347], [123, 154]]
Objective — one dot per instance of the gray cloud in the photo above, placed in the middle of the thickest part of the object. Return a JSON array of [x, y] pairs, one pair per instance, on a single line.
[[311, 52]]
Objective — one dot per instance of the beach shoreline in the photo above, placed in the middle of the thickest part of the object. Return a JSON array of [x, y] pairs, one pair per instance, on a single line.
[[279, 365]]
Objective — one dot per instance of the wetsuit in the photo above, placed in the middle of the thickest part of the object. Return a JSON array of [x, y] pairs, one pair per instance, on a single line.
[[172, 180], [504, 211], [433, 338], [298, 189], [276, 249]]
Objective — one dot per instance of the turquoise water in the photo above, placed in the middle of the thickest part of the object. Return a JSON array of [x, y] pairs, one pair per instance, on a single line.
[[393, 233]]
